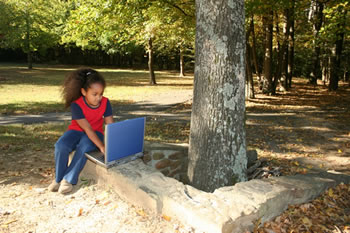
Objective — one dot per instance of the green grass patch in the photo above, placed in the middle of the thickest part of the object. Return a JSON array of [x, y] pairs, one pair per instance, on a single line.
[[35, 91], [37, 137], [19, 137]]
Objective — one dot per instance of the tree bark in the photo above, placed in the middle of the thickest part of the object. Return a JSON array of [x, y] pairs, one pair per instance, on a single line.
[[152, 76], [283, 66], [278, 63], [268, 27], [217, 150], [249, 74], [335, 63], [325, 70], [318, 21], [254, 55], [291, 41], [336, 56], [29, 52], [182, 64]]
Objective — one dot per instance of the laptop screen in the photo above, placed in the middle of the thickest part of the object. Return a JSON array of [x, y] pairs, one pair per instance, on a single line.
[[124, 138]]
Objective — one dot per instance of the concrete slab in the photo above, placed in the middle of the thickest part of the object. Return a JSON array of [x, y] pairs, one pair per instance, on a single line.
[[228, 209]]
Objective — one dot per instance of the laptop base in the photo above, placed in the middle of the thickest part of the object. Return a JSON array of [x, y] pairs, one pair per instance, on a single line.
[[98, 158]]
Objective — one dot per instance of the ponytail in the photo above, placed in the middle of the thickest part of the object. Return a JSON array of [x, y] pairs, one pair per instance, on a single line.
[[81, 78]]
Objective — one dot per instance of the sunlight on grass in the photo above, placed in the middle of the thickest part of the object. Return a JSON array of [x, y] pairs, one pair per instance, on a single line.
[[18, 137], [26, 91]]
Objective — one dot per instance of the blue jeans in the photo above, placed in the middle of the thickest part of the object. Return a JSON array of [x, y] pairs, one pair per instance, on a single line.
[[69, 141]]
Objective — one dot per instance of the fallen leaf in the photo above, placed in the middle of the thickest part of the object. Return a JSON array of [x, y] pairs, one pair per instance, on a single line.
[[107, 203], [80, 212], [165, 217], [307, 222], [309, 166], [141, 212], [9, 222], [69, 201], [330, 192]]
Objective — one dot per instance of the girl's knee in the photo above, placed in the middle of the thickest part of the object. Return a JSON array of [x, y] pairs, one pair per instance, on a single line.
[[86, 148], [60, 146]]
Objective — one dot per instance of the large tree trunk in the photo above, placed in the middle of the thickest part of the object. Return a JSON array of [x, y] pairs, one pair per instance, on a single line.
[[29, 52], [291, 47], [335, 63], [325, 70], [152, 76], [249, 74], [217, 151], [318, 20], [254, 55], [268, 27], [278, 63], [336, 56], [283, 65], [182, 63]]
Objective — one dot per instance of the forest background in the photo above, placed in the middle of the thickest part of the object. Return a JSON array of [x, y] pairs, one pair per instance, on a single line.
[[284, 38]]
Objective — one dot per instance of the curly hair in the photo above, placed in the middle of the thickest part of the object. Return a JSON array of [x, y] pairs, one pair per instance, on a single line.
[[80, 78]]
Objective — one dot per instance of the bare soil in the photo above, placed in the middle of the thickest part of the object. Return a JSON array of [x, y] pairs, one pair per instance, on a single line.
[[27, 206]]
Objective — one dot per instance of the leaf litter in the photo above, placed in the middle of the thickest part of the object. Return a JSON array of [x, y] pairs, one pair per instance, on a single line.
[[328, 213]]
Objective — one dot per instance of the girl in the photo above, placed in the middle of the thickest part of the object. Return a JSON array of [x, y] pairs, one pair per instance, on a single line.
[[83, 92]]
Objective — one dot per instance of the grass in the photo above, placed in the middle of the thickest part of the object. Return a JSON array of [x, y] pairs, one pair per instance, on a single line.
[[37, 91], [17, 138]]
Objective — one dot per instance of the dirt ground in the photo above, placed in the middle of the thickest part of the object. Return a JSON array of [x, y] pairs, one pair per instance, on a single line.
[[304, 129], [307, 126]]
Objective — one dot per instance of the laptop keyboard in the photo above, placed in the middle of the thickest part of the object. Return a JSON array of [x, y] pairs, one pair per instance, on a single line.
[[100, 157]]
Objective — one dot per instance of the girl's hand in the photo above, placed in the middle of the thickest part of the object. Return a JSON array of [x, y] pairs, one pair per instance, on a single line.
[[102, 149]]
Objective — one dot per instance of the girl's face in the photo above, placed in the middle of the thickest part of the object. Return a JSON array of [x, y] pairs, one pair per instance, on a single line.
[[93, 95]]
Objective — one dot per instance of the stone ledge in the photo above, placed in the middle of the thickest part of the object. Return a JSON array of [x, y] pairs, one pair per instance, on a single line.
[[228, 209]]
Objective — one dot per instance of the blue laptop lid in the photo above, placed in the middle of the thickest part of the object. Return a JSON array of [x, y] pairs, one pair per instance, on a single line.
[[124, 138]]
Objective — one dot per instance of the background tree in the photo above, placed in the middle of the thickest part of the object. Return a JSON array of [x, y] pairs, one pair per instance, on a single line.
[[31, 25], [177, 29], [217, 151], [334, 32], [121, 26]]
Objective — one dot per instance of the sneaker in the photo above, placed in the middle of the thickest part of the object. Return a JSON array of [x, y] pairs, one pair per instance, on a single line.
[[53, 187], [65, 187]]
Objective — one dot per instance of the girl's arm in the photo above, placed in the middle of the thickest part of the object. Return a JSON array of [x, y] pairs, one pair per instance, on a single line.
[[109, 120], [85, 125]]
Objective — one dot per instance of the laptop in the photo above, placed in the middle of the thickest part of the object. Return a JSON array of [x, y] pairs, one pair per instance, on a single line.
[[124, 141]]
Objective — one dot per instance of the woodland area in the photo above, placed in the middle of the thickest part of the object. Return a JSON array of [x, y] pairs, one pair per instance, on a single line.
[[284, 38], [286, 48]]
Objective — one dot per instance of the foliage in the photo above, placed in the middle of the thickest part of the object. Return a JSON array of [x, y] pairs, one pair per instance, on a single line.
[[119, 26], [335, 23], [31, 25]]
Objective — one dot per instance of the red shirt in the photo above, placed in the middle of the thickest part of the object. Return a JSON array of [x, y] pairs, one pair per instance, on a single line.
[[80, 109]]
